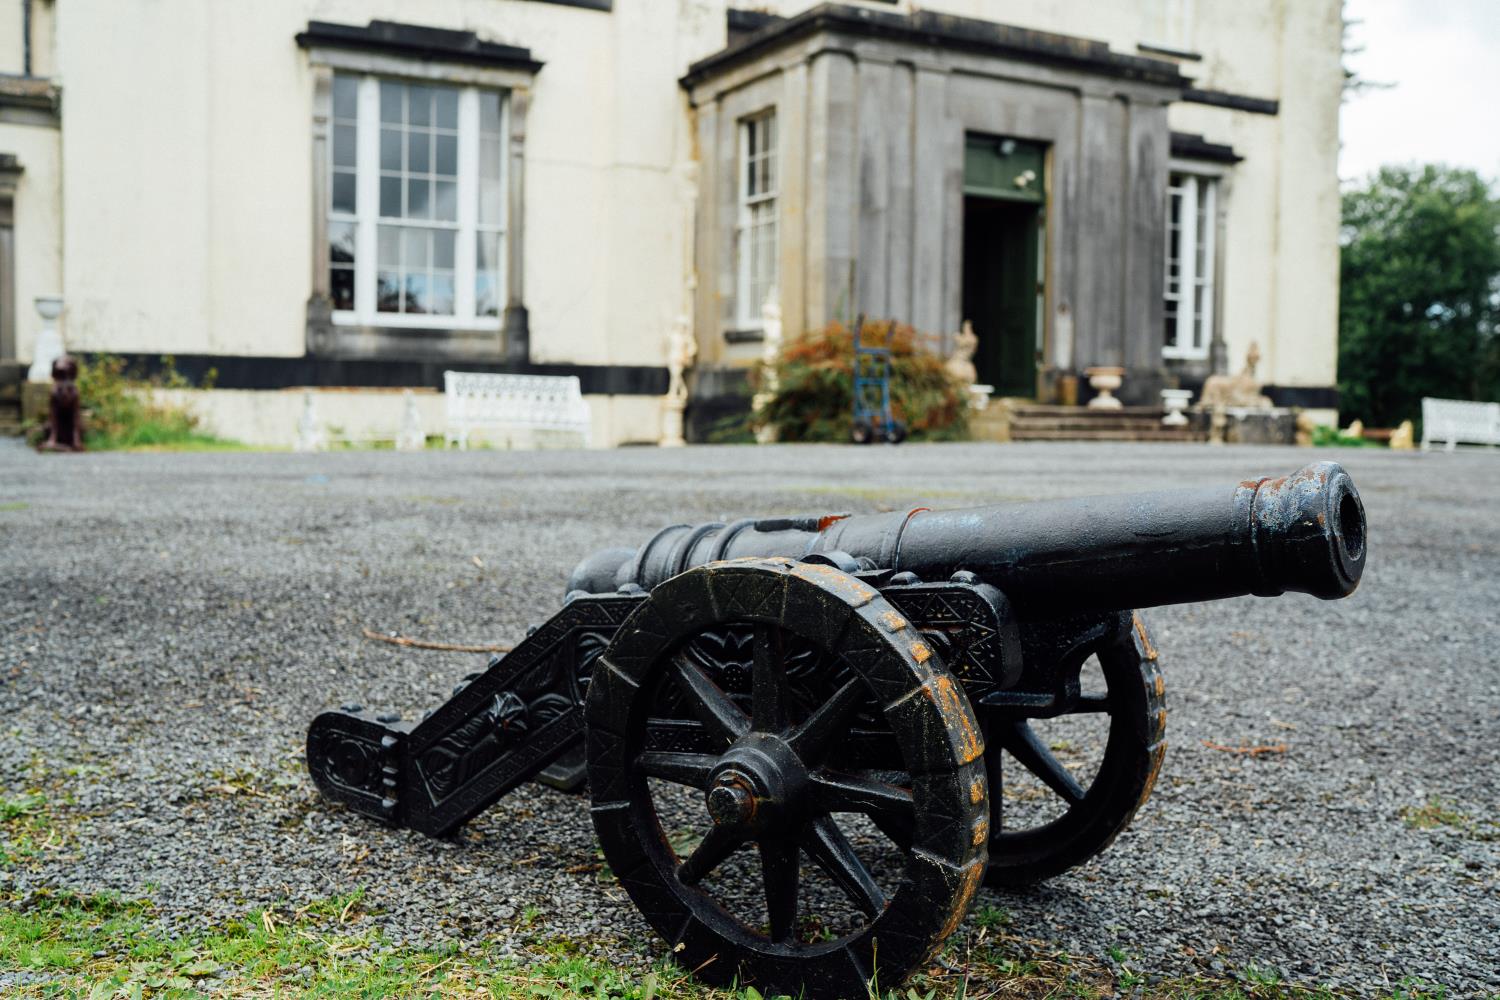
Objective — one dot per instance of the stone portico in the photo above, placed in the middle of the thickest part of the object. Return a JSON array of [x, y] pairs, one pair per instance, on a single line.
[[885, 122]]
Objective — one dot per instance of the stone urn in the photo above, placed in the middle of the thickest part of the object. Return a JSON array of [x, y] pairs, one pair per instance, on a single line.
[[1105, 380], [49, 345], [1175, 401]]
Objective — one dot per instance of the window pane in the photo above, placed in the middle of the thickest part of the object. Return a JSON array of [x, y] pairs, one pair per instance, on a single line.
[[419, 105], [416, 294], [487, 274], [414, 249], [446, 112], [391, 101], [489, 204], [342, 282], [445, 203], [488, 251], [486, 302], [418, 145], [343, 145], [442, 248], [341, 242], [442, 294], [489, 112], [343, 192], [389, 254], [390, 149], [418, 198], [390, 197], [388, 292], [489, 160], [345, 96], [447, 155]]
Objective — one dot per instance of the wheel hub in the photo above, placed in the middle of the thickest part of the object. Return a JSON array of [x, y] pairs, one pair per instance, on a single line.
[[755, 784], [732, 800]]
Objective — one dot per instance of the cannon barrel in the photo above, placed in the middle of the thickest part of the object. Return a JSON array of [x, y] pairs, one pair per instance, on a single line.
[[1304, 532]]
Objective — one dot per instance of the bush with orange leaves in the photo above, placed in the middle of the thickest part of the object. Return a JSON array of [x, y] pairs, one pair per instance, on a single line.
[[814, 399]]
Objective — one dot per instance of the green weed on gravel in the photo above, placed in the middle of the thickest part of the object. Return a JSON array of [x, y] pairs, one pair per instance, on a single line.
[[27, 827], [1440, 812]]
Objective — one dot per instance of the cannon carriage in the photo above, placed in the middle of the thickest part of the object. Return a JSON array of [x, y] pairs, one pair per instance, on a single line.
[[796, 731]]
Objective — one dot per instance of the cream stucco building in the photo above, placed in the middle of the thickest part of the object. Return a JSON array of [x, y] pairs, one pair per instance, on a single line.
[[354, 195]]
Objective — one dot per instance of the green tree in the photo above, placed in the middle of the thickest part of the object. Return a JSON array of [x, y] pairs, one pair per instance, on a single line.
[[1420, 292]]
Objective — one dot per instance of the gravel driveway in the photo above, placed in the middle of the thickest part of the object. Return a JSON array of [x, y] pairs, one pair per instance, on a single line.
[[170, 623]]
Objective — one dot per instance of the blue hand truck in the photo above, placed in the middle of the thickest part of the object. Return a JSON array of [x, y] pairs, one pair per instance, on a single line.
[[872, 390]]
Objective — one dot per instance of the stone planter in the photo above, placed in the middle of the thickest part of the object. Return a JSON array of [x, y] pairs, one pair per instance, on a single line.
[[1175, 401], [1104, 381]]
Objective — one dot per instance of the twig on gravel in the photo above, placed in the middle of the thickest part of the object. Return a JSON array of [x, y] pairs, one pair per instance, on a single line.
[[401, 640], [1255, 751]]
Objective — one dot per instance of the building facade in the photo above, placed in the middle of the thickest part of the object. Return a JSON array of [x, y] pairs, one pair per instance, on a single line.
[[353, 195]]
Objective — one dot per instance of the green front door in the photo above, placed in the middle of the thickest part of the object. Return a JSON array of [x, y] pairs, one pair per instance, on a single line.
[[1004, 217]]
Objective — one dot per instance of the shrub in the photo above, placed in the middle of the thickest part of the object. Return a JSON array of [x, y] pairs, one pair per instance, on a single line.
[[814, 398], [120, 410]]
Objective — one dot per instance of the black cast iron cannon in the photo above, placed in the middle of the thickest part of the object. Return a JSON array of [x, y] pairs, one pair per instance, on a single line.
[[830, 701]]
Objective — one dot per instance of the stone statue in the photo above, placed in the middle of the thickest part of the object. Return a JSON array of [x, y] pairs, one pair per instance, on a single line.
[[310, 436], [1403, 438], [682, 351], [960, 363], [64, 409], [1239, 391], [411, 437]]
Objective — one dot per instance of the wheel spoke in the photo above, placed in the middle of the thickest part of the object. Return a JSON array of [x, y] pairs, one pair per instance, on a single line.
[[768, 681], [994, 776], [690, 769], [718, 845], [1090, 703], [709, 703], [778, 861], [812, 738], [890, 806], [1024, 745], [826, 844]]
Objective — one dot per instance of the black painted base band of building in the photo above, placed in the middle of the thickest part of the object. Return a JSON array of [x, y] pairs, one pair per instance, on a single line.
[[242, 372]]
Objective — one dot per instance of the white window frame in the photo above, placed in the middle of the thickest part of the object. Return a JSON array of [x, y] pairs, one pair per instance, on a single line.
[[1199, 197], [367, 217], [748, 313]]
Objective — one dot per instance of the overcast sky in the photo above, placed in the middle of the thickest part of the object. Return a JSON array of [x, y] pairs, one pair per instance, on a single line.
[[1443, 57]]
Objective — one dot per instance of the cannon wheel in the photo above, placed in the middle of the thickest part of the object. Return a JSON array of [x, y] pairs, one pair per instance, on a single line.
[[1136, 704], [766, 783]]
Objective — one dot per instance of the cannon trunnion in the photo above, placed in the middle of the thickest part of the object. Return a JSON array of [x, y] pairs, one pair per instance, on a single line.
[[831, 705]]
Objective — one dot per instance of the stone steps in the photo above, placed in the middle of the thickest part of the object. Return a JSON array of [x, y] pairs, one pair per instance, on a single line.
[[1032, 422]]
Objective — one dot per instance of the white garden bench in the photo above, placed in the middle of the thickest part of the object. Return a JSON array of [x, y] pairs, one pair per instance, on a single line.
[[533, 405], [1459, 421]]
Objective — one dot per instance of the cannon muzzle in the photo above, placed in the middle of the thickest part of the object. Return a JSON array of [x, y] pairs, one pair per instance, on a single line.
[[1304, 533]]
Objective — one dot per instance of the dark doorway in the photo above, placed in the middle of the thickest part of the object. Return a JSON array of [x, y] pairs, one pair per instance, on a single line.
[[1001, 290]]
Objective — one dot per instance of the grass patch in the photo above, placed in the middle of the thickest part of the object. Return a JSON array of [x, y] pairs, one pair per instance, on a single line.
[[59, 944], [14, 506]]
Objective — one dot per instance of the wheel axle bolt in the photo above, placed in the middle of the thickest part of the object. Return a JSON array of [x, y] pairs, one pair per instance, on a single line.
[[730, 802]]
